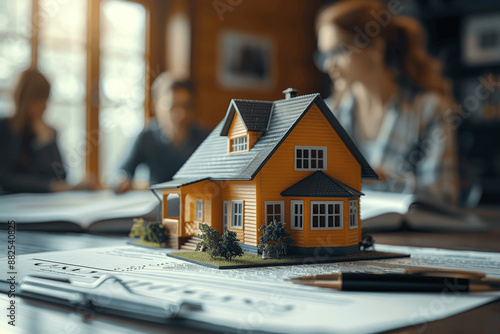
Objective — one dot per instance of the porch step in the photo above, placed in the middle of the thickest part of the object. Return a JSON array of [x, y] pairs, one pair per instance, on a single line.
[[190, 244]]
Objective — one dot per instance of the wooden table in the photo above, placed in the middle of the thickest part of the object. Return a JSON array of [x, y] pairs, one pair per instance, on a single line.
[[41, 317]]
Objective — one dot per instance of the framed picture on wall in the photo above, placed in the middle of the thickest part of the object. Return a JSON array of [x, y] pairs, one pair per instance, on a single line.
[[481, 40], [246, 61]]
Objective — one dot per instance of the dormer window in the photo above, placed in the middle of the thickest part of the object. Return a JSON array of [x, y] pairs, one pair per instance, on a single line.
[[310, 158], [239, 144]]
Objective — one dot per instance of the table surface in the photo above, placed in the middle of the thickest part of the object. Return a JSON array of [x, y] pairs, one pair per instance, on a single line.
[[41, 317]]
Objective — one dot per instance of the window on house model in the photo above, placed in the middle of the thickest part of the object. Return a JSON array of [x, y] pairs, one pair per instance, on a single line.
[[326, 215], [237, 214], [310, 158], [239, 144], [199, 209], [297, 215], [353, 214], [274, 212]]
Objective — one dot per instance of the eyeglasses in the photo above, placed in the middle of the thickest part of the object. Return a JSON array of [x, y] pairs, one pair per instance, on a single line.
[[323, 60]]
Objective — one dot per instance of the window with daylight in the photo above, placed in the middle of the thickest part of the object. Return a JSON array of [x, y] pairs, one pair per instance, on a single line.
[[16, 54], [353, 214], [199, 209], [326, 215], [58, 39], [297, 215], [239, 144], [310, 158], [274, 212], [237, 214], [123, 81]]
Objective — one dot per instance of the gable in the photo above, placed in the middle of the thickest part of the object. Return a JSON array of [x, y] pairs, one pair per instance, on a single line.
[[237, 128], [312, 131], [255, 115]]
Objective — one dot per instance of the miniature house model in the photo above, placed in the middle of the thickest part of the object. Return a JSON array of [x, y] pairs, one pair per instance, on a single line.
[[288, 160]]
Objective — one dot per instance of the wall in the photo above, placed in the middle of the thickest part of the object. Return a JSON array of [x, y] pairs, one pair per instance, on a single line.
[[289, 24]]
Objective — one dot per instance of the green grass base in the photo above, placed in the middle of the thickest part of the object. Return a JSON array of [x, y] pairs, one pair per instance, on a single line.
[[252, 261]]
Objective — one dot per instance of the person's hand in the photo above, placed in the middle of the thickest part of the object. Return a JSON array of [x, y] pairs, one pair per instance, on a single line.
[[90, 182], [123, 186], [60, 185], [44, 134]]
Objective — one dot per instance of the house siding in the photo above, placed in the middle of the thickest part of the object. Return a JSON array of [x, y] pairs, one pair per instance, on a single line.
[[237, 128], [245, 191], [279, 174]]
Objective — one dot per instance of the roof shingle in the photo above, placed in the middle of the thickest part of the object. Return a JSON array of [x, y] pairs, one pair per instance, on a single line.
[[255, 115], [318, 184], [211, 160]]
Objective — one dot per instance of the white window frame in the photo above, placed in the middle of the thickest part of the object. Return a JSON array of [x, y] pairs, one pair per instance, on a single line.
[[282, 209], [309, 158], [199, 209], [238, 144], [225, 216], [326, 203], [294, 215], [353, 214], [236, 216]]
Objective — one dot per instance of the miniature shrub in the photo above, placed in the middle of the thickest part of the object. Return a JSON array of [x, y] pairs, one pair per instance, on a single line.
[[225, 246], [229, 247], [155, 232], [367, 242], [210, 238], [137, 230], [275, 240]]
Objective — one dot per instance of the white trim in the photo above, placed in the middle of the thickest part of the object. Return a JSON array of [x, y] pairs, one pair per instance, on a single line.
[[309, 159], [293, 215], [199, 209], [237, 222], [239, 144], [326, 215], [225, 216], [282, 210], [353, 205]]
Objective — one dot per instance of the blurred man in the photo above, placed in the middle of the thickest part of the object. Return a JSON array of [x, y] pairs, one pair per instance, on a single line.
[[170, 137]]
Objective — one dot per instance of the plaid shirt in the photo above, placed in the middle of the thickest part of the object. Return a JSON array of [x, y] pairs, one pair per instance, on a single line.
[[415, 149]]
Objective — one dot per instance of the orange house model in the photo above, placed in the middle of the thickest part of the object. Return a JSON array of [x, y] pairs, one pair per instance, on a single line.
[[288, 160]]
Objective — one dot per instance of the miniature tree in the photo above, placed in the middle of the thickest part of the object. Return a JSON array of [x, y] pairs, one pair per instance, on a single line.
[[210, 239], [155, 232], [229, 247], [367, 241], [275, 240], [137, 230]]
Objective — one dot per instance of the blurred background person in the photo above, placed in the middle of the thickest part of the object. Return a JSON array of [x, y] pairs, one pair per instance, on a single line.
[[169, 138], [390, 96], [29, 156]]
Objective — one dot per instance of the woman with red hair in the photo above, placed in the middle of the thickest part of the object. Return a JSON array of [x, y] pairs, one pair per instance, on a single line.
[[390, 96]]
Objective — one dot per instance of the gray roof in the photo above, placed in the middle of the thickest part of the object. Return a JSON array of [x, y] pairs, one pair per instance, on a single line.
[[177, 183], [255, 115], [211, 160], [318, 184]]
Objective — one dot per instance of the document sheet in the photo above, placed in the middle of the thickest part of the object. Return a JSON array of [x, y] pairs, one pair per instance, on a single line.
[[261, 299]]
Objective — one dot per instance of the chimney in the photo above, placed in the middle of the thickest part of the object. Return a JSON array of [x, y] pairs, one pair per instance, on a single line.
[[290, 92]]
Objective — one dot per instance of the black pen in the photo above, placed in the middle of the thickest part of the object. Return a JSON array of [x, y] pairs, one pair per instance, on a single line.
[[398, 282]]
